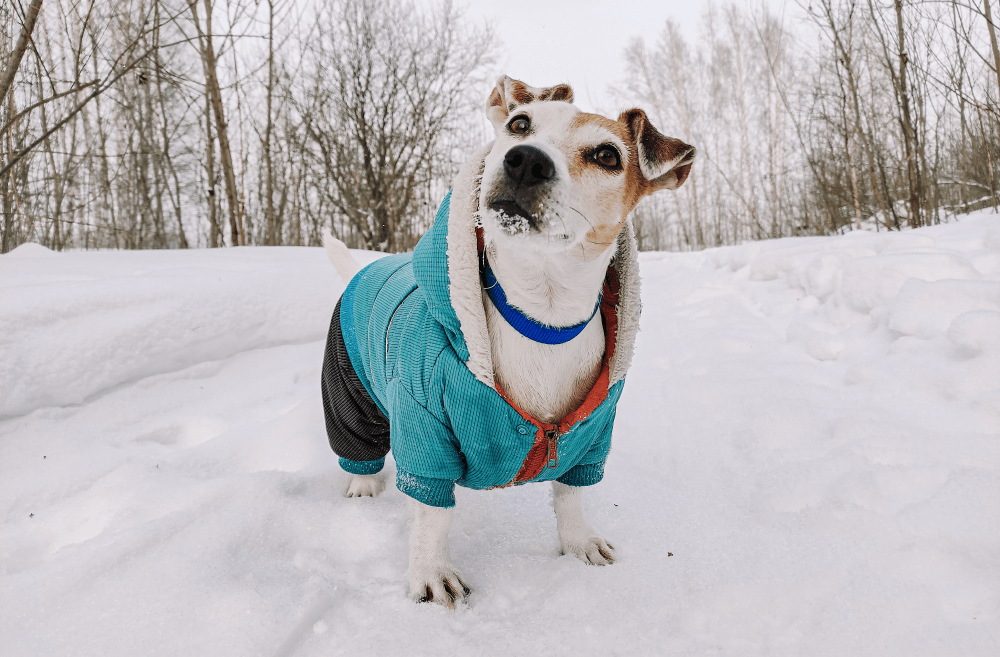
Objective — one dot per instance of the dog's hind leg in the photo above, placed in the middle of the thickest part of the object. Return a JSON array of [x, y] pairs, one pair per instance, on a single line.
[[432, 577], [575, 533], [365, 485]]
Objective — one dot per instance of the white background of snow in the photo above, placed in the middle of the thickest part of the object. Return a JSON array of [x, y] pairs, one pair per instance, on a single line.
[[811, 428]]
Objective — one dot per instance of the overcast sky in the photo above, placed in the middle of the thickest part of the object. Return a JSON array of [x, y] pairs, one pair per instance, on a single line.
[[580, 42]]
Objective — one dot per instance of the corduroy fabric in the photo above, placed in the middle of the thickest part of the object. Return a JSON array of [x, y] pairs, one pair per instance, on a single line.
[[362, 467], [447, 427]]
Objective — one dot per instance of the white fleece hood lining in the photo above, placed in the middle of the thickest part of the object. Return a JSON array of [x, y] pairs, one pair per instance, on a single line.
[[466, 290]]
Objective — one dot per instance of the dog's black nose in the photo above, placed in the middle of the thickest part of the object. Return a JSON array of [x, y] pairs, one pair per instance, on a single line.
[[528, 166]]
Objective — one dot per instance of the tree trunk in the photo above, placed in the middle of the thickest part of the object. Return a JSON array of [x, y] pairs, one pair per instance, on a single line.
[[273, 231], [58, 182], [993, 41], [215, 230], [909, 136], [22, 44], [961, 107], [107, 197], [175, 193], [212, 82], [7, 189], [989, 160], [153, 166], [853, 167], [241, 194]]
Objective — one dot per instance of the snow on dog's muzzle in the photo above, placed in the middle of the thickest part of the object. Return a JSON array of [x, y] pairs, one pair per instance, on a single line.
[[520, 193]]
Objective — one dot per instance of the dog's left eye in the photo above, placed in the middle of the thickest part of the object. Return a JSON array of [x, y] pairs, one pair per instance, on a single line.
[[520, 125], [607, 157]]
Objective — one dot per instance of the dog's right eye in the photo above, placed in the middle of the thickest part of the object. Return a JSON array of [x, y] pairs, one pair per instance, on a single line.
[[519, 125]]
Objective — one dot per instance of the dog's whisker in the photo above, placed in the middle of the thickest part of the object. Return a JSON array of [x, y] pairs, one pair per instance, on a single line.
[[582, 215], [563, 222], [591, 228]]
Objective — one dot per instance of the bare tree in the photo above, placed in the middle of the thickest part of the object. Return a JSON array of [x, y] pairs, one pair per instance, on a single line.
[[214, 92], [909, 135], [272, 219], [386, 86]]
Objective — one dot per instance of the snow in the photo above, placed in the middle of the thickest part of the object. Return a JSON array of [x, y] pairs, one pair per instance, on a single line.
[[806, 460]]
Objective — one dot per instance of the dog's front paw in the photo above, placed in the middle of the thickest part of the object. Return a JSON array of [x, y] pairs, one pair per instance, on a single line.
[[365, 486], [592, 550], [441, 584]]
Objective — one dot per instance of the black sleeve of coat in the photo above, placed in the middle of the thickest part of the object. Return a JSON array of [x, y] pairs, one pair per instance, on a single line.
[[355, 426]]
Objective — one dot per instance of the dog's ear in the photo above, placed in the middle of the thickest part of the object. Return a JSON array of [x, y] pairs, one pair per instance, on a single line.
[[664, 161], [510, 93]]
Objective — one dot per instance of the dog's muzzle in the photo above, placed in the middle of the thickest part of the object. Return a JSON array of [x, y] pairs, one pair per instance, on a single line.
[[529, 176]]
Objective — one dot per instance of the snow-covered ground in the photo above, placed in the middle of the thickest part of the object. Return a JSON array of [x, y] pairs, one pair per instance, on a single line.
[[806, 461]]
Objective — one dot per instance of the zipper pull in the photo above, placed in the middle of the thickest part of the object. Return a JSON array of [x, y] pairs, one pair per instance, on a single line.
[[553, 438]]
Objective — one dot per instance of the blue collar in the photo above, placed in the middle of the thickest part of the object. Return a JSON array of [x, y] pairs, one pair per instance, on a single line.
[[526, 326]]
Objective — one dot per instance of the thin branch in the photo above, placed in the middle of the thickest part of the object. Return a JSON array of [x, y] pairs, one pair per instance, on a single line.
[[20, 115], [98, 91]]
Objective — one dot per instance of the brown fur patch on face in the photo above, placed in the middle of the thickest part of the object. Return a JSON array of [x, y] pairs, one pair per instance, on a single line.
[[518, 91], [610, 197]]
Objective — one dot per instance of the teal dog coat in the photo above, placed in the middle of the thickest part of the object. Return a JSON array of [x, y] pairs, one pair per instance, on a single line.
[[409, 352]]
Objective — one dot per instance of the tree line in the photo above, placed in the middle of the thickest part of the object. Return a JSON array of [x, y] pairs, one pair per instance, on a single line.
[[184, 123], [877, 114], [181, 123]]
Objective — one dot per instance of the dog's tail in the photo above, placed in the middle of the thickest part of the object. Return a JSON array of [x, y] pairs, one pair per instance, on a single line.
[[340, 256]]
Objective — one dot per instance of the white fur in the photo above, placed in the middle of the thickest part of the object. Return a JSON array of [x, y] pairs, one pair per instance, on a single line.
[[463, 266], [575, 533], [550, 282], [341, 257], [547, 380], [365, 485], [555, 286], [629, 302], [432, 577]]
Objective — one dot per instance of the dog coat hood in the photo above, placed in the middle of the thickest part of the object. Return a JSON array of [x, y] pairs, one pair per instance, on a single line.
[[414, 328], [455, 298]]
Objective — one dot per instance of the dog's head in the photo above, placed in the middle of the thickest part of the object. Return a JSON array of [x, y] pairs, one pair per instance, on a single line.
[[559, 178]]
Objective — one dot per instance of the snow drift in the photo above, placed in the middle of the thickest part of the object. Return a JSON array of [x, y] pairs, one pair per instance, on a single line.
[[806, 461]]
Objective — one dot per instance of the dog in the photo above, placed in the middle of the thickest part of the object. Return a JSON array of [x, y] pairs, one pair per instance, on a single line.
[[480, 359]]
